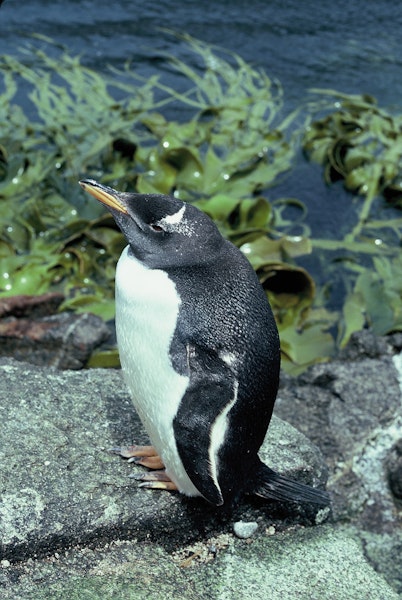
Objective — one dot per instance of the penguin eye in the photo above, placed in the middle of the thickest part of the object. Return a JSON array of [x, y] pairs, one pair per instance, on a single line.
[[156, 228]]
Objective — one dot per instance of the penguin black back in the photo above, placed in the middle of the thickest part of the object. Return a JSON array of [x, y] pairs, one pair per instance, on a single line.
[[227, 320]]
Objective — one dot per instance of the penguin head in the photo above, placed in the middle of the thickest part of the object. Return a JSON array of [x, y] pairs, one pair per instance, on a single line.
[[161, 231]]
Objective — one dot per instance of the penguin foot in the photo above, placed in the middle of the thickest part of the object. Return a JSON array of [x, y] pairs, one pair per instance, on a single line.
[[151, 462], [130, 451], [156, 480], [145, 456]]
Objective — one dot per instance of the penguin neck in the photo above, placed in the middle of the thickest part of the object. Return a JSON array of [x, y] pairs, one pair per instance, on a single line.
[[175, 257]]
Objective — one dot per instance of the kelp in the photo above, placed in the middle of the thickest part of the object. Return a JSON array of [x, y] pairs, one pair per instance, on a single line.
[[360, 144], [224, 155]]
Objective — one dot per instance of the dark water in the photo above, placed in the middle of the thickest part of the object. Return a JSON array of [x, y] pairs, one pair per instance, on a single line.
[[353, 46]]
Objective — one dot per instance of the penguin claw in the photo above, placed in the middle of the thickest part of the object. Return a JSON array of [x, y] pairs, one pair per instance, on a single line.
[[146, 456], [134, 451], [156, 480], [159, 485], [151, 462], [151, 476]]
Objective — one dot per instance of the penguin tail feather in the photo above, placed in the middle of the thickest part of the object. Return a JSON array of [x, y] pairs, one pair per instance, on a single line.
[[278, 487]]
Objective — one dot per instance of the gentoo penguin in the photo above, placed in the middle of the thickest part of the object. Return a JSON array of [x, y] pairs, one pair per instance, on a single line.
[[199, 350]]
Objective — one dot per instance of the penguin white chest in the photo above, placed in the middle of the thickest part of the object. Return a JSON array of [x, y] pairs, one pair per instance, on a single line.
[[147, 308]]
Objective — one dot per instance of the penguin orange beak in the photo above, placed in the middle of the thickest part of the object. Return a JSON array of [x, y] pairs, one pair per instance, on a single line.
[[104, 194]]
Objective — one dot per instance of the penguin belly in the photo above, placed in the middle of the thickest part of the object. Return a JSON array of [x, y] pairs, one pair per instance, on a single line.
[[147, 308]]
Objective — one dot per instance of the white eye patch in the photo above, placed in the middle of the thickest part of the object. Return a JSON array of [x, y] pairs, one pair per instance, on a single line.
[[174, 219], [176, 223]]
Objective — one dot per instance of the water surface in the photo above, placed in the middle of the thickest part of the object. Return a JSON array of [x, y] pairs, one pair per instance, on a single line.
[[351, 45]]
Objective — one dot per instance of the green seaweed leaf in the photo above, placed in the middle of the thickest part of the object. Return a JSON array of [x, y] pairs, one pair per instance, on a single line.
[[376, 300]]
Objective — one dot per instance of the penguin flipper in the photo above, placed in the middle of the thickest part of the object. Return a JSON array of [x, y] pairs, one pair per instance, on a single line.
[[270, 484], [200, 423]]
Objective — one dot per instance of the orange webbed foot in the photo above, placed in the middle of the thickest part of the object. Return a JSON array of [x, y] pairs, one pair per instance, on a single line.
[[155, 480], [141, 455], [146, 456]]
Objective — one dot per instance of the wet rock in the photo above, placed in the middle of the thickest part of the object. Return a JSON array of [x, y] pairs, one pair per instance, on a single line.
[[32, 307], [364, 344], [29, 331]]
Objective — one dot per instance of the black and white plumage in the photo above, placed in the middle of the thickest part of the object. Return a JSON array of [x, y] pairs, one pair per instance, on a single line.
[[199, 349]]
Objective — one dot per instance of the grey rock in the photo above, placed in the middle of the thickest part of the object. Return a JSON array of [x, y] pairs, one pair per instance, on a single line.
[[73, 525], [395, 340], [394, 469], [290, 452], [366, 344], [384, 551], [353, 411], [318, 564], [121, 570], [348, 411], [58, 484]]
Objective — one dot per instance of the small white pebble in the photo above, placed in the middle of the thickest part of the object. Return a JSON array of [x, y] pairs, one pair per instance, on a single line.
[[244, 530], [322, 515], [5, 563]]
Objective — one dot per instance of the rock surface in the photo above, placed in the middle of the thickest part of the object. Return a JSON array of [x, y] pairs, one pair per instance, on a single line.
[[73, 525], [32, 329]]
